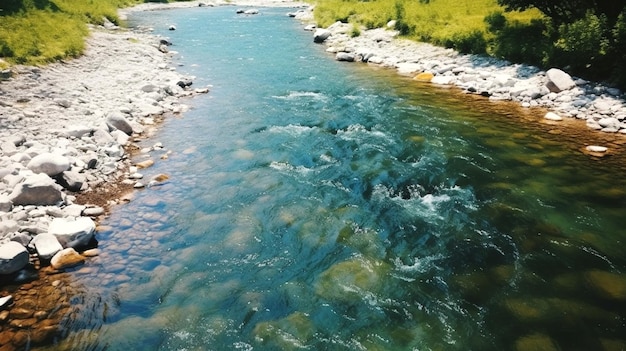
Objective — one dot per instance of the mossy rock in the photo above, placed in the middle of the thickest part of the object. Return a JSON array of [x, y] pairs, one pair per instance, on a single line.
[[290, 333], [607, 285], [350, 280], [535, 342]]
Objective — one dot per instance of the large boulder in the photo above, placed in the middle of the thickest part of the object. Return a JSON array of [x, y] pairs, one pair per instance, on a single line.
[[37, 189], [118, 121], [321, 35], [559, 81], [46, 245], [49, 163], [75, 233], [13, 257]]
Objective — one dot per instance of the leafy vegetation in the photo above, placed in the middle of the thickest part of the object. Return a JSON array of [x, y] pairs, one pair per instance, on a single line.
[[586, 37], [41, 31]]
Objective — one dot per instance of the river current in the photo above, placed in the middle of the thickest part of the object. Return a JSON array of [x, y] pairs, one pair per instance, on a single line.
[[319, 205]]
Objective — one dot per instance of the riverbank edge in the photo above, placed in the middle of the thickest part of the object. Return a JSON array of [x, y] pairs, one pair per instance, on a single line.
[[564, 97]]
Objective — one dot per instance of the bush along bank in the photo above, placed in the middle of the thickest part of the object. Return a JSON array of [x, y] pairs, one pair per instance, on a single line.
[[603, 108]]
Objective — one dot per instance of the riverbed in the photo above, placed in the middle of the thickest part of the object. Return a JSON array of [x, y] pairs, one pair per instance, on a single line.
[[314, 204]]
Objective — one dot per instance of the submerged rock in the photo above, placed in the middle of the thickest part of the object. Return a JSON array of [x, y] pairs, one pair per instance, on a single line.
[[351, 280], [607, 285], [66, 258], [535, 342]]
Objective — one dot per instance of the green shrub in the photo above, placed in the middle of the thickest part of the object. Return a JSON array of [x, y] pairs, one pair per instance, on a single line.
[[523, 43], [495, 21], [586, 37], [468, 43], [355, 31]]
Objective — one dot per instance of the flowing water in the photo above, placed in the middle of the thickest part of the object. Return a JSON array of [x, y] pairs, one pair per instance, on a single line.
[[320, 205]]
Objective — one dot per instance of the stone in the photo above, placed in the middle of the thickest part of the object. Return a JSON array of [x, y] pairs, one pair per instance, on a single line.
[[144, 164], [118, 121], [103, 137], [535, 342], [73, 233], [345, 56], [6, 205], [558, 80], [120, 137], [597, 148], [609, 122], [49, 163], [74, 210], [13, 257], [38, 189], [93, 211], [320, 35], [46, 245], [71, 180], [551, 116], [5, 301], [66, 258], [77, 131], [611, 286], [424, 77], [8, 226]]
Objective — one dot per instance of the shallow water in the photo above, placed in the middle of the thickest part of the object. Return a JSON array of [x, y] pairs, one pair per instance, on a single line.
[[319, 205]]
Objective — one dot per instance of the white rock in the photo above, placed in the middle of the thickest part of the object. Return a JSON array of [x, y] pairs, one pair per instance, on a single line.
[[46, 245], [552, 116], [38, 189], [73, 233], [321, 35], [13, 257], [51, 164], [596, 148], [558, 80]]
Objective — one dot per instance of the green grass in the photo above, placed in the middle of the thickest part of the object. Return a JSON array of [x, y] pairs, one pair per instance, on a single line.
[[441, 22], [36, 32]]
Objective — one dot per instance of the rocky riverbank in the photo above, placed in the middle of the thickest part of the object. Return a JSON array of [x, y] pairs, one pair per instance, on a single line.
[[603, 108], [67, 132]]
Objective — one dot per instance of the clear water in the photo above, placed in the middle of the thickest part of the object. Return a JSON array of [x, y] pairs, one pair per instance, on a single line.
[[319, 205]]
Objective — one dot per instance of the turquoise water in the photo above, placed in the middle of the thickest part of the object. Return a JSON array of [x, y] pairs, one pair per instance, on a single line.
[[319, 205]]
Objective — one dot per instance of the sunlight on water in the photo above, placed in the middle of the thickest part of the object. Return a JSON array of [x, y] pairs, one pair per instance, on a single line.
[[318, 205]]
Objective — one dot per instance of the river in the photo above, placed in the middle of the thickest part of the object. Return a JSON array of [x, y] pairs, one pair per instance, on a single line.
[[319, 205]]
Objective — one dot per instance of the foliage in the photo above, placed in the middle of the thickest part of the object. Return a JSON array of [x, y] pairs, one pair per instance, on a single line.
[[523, 43], [587, 39], [355, 31], [495, 21], [469, 43], [453, 23], [567, 11]]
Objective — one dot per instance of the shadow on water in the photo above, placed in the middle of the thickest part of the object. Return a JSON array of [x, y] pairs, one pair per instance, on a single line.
[[342, 207]]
